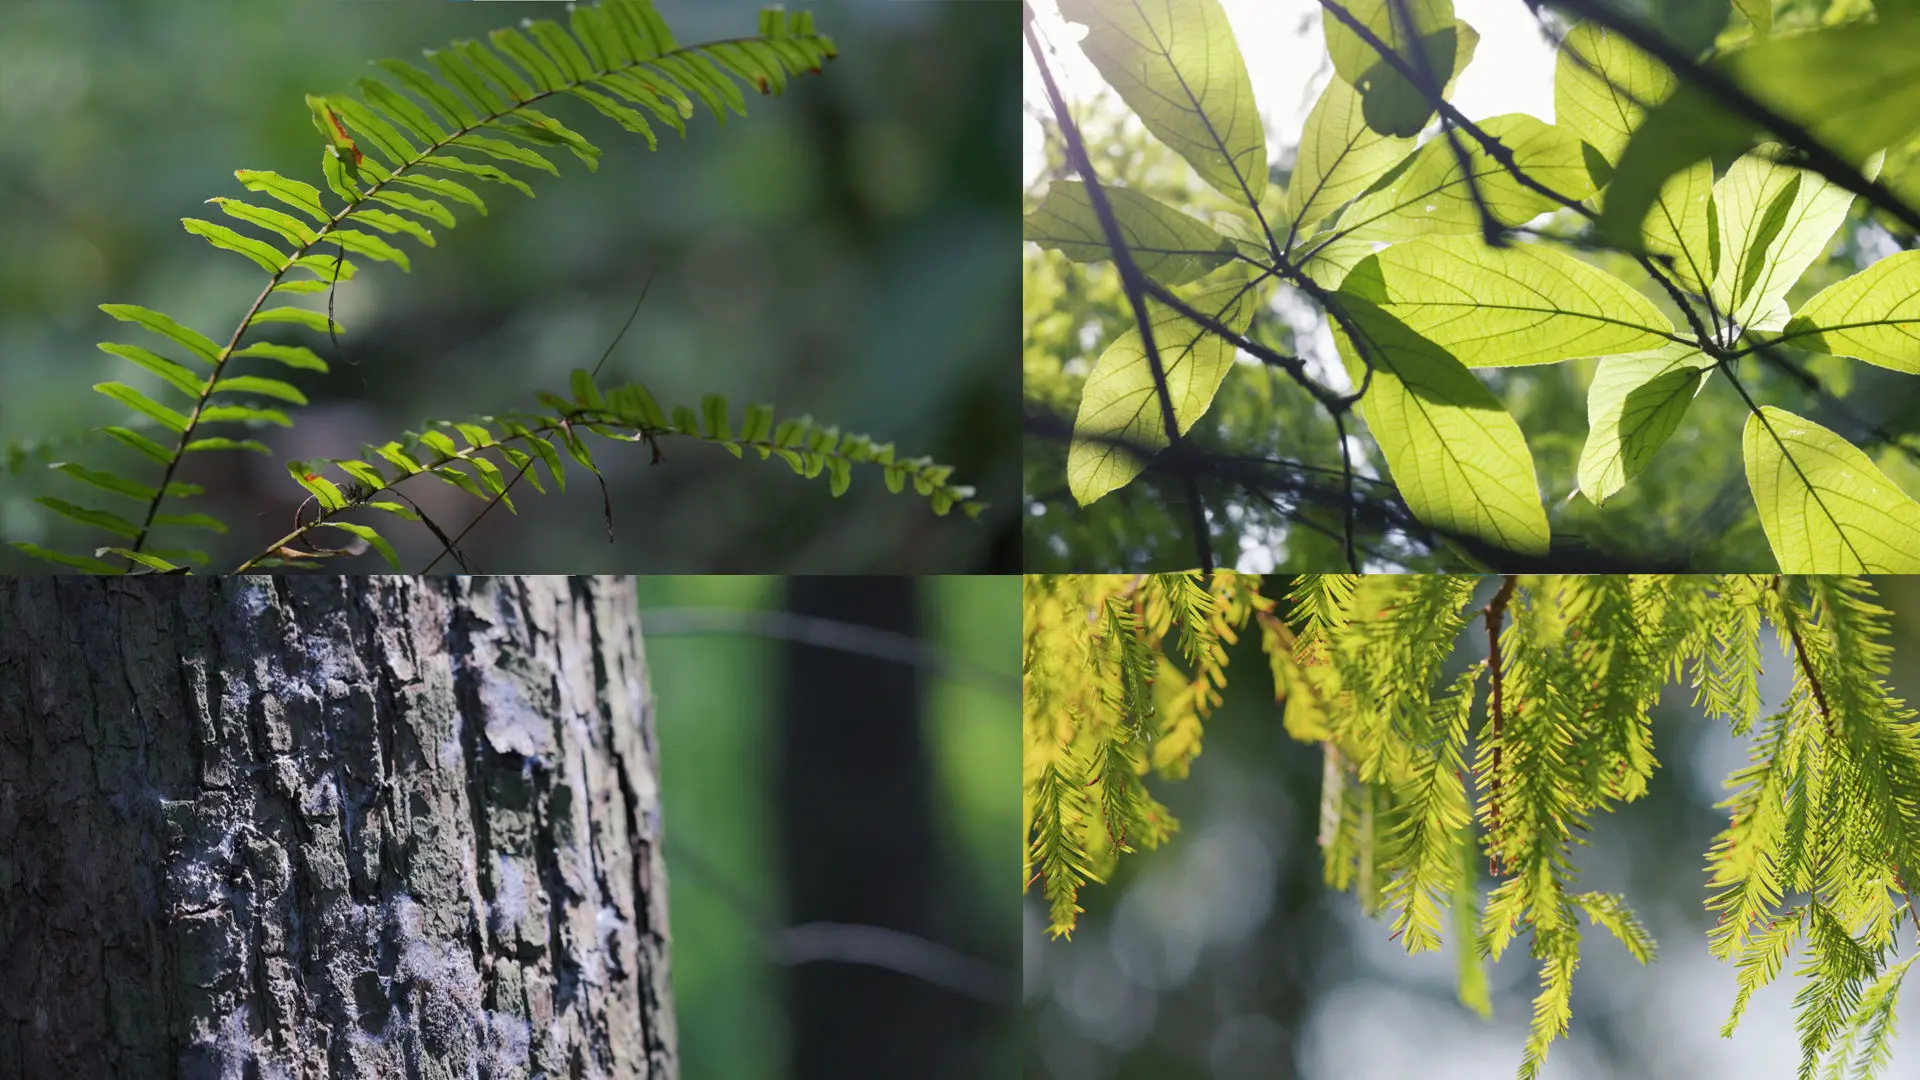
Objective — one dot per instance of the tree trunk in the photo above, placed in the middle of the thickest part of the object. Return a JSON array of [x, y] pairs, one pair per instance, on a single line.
[[329, 827], [857, 818]]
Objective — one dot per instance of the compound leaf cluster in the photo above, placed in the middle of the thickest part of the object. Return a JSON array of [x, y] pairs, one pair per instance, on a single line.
[[1413, 252]]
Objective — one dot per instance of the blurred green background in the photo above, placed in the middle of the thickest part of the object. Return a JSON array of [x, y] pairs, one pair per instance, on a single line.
[[1223, 956], [840, 251], [719, 711]]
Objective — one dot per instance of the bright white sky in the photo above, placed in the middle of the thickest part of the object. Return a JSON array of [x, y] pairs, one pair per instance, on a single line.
[[1511, 72]]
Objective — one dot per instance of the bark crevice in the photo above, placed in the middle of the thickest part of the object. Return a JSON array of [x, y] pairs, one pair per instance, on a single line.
[[318, 827]]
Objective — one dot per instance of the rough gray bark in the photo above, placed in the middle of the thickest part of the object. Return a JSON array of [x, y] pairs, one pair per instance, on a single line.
[[329, 827]]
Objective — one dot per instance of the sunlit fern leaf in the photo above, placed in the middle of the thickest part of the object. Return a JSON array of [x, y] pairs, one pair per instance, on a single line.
[[293, 356], [191, 521], [255, 384], [61, 558], [172, 374], [291, 229], [205, 445], [139, 402], [263, 254], [371, 536]]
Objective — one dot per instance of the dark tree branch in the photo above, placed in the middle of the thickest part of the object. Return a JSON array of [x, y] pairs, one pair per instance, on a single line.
[[1800, 654], [1131, 279], [1819, 157], [1495, 609]]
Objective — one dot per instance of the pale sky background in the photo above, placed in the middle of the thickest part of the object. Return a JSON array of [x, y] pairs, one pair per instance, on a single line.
[[1511, 72]]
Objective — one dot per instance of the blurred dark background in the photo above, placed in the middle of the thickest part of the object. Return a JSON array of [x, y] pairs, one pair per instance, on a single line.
[[1223, 956], [808, 789], [840, 251]]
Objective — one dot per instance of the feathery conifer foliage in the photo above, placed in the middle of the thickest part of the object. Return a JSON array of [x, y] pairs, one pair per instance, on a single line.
[[1431, 774], [397, 155]]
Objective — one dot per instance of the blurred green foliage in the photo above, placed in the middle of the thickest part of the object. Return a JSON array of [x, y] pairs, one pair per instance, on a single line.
[[718, 704], [839, 251]]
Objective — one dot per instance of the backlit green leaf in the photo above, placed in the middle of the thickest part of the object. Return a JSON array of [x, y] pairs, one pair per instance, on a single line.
[[176, 376], [141, 443], [1873, 315], [1457, 457], [1824, 505], [265, 255], [78, 562], [1759, 13], [1633, 405], [1393, 105], [1432, 195], [191, 521], [293, 356], [107, 481], [1521, 304], [1177, 65], [290, 228], [134, 399], [1166, 244], [371, 536], [243, 414], [99, 519], [1774, 221], [312, 320], [1684, 226], [1121, 404], [1603, 85], [302, 197], [1340, 156], [199, 344], [254, 384], [1854, 87]]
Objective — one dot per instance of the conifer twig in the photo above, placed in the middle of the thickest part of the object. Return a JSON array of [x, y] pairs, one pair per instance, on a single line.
[[1800, 656], [1495, 609]]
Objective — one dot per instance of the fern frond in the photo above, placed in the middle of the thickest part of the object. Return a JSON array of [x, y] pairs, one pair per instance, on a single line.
[[1610, 910], [383, 150], [627, 413], [1762, 955]]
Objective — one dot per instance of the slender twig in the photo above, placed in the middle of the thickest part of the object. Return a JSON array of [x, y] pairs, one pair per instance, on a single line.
[[1346, 503], [870, 946], [1131, 279], [826, 634], [1431, 86], [447, 545], [1495, 609], [1800, 654]]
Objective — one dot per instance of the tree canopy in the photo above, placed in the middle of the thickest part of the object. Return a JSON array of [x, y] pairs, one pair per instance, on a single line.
[[1669, 330]]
